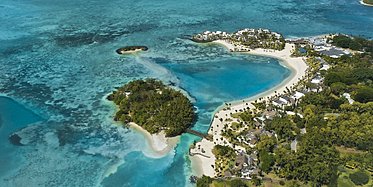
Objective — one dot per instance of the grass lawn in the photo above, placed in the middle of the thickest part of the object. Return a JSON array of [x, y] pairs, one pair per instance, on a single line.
[[274, 181], [236, 115], [345, 150], [218, 183], [345, 181]]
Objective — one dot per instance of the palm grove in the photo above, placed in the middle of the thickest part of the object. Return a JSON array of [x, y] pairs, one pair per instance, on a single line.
[[332, 125]]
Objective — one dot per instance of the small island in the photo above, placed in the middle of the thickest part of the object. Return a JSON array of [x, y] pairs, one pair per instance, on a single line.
[[131, 49], [367, 2], [154, 107]]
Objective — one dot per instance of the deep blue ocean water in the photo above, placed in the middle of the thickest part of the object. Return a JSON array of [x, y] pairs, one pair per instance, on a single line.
[[58, 61]]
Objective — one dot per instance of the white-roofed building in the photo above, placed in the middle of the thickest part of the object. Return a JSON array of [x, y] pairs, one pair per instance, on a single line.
[[297, 95]]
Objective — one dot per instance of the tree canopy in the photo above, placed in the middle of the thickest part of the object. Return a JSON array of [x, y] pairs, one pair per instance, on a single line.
[[359, 178], [204, 181], [153, 106], [354, 43]]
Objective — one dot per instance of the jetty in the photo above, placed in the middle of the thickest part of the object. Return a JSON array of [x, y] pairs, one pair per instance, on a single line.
[[199, 134]]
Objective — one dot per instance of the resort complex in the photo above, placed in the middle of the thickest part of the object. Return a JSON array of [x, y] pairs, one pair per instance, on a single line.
[[248, 135], [244, 40]]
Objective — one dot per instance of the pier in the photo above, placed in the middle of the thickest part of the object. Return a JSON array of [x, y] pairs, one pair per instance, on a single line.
[[199, 134]]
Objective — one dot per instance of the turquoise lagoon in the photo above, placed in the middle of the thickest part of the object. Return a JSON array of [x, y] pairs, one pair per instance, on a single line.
[[58, 61]]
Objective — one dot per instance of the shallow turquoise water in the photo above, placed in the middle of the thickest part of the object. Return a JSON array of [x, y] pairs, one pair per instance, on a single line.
[[58, 58], [13, 117], [212, 83]]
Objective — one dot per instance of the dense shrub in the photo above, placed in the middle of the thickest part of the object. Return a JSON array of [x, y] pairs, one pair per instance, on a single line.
[[364, 94], [205, 181], [238, 183], [354, 43], [359, 178]]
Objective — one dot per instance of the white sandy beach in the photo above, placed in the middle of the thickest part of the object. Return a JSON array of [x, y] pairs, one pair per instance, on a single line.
[[202, 165], [362, 2], [298, 67], [159, 144]]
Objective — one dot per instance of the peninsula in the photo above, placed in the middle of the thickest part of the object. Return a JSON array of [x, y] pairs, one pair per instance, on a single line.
[[131, 49], [266, 137]]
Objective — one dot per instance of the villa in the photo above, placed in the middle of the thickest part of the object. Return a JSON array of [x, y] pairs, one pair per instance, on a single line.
[[348, 97], [325, 67], [280, 102], [333, 52], [317, 80], [297, 95], [269, 114]]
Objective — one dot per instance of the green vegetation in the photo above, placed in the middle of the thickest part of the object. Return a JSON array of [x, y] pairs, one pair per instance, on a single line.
[[352, 75], [225, 157], [364, 94], [330, 142], [153, 106], [368, 2], [222, 151], [315, 160], [284, 127], [354, 43], [204, 181], [330, 121], [238, 183], [262, 40], [266, 161], [338, 134], [266, 143], [303, 51], [248, 38], [209, 182], [359, 178]]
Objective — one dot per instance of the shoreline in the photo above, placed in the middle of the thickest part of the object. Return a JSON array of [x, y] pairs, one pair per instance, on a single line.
[[366, 4], [298, 70], [159, 144], [296, 65]]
